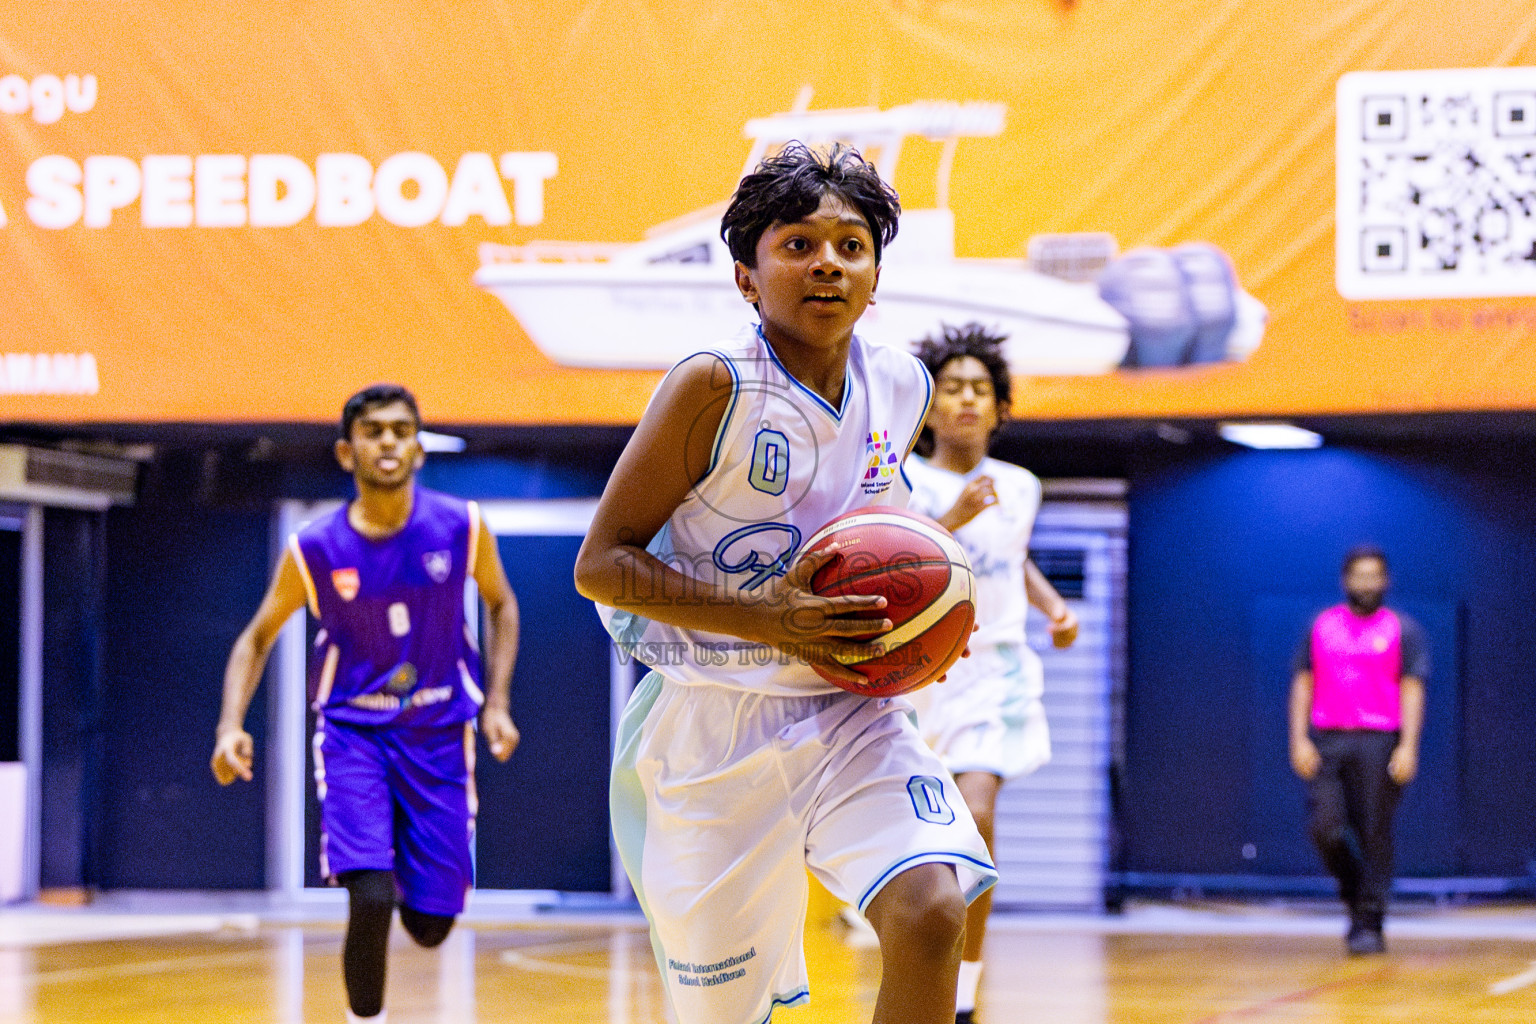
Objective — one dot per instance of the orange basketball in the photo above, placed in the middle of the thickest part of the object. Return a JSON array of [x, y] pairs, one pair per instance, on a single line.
[[923, 574]]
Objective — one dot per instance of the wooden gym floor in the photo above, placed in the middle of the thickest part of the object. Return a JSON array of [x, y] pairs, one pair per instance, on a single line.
[[1155, 965]]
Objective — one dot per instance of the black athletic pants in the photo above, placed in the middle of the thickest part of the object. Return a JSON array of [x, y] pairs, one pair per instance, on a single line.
[[1351, 802]]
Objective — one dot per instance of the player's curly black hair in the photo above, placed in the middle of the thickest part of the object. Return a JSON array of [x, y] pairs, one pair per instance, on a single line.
[[790, 185], [972, 339], [372, 396]]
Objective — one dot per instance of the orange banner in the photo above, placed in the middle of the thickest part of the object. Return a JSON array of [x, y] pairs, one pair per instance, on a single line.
[[1239, 210]]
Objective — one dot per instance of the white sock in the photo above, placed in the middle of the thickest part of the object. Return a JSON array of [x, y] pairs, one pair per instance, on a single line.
[[970, 980], [377, 1018]]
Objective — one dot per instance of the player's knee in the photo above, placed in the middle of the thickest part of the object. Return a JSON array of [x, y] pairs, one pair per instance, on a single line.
[[1328, 831], [370, 892], [923, 912], [428, 930], [935, 925]]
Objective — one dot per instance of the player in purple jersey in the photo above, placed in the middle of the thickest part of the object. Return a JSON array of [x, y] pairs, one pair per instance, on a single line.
[[396, 686]]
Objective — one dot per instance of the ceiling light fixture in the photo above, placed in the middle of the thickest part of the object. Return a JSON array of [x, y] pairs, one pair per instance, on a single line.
[[432, 441], [1270, 435]]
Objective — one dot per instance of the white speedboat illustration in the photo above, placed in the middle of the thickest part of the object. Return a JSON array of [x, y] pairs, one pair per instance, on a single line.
[[645, 305]]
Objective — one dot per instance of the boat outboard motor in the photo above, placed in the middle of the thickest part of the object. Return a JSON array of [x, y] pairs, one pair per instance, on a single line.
[[1146, 287], [1213, 297]]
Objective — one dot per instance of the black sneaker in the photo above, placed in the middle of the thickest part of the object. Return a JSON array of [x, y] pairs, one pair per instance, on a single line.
[[1364, 936], [965, 1017], [1364, 941]]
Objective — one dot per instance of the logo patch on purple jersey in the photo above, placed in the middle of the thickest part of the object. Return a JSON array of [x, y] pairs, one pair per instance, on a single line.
[[402, 679], [346, 582], [438, 565]]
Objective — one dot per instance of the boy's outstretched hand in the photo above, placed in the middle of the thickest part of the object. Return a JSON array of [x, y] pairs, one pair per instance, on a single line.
[[233, 754]]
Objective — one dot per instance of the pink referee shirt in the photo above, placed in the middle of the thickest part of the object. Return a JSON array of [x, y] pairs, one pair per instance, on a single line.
[[1357, 663]]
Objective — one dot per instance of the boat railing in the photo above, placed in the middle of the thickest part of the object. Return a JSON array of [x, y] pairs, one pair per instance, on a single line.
[[878, 134], [1072, 256], [935, 120], [492, 253]]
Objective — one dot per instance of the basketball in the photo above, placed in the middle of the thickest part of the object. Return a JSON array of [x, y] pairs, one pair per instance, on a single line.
[[923, 574]]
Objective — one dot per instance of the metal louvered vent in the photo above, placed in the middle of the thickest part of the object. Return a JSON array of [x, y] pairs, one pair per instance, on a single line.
[[51, 477], [85, 472]]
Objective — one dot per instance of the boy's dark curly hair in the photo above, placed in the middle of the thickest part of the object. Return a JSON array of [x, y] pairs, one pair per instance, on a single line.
[[790, 185], [973, 340], [969, 340]]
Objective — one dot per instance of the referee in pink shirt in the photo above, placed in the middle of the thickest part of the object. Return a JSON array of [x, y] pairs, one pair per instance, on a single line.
[[1357, 706]]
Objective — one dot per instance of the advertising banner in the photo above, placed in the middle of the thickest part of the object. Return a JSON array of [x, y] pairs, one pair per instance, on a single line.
[[222, 213]]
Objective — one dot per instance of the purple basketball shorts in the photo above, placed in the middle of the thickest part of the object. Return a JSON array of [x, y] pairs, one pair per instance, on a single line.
[[401, 800]]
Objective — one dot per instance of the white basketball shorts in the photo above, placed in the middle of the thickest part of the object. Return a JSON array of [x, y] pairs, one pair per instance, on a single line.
[[987, 715], [722, 798]]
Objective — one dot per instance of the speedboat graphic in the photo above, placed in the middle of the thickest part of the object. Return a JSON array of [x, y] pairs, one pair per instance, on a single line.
[[647, 304]]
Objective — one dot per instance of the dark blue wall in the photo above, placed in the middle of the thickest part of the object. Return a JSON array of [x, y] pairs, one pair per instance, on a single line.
[[10, 645], [73, 719], [1230, 554], [544, 814], [182, 581]]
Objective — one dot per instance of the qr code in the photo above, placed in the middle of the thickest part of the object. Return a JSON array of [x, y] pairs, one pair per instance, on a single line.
[[1437, 184]]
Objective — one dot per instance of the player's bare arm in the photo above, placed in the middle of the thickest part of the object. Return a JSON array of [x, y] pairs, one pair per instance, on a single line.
[[501, 735], [668, 454], [1305, 760], [233, 751], [1040, 593], [1404, 763]]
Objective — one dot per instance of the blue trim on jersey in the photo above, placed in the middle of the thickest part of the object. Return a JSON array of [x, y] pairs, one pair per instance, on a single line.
[[987, 871], [714, 454], [927, 408], [912, 442], [836, 414], [799, 998]]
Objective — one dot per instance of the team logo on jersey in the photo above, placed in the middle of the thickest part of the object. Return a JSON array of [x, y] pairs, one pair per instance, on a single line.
[[402, 679], [346, 583], [438, 564], [881, 462], [764, 550]]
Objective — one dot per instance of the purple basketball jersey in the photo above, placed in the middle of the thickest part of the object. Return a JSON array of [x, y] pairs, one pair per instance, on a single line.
[[394, 647]]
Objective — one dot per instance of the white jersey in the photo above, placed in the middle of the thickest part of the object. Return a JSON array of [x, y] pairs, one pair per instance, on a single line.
[[785, 462], [996, 540]]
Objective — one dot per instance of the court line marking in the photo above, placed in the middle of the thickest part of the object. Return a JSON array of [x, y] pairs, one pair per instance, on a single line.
[[1294, 997], [571, 946], [513, 958], [185, 963], [1515, 983], [519, 957]]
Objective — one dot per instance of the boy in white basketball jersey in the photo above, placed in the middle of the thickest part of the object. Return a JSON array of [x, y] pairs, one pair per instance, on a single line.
[[737, 767], [986, 721]]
